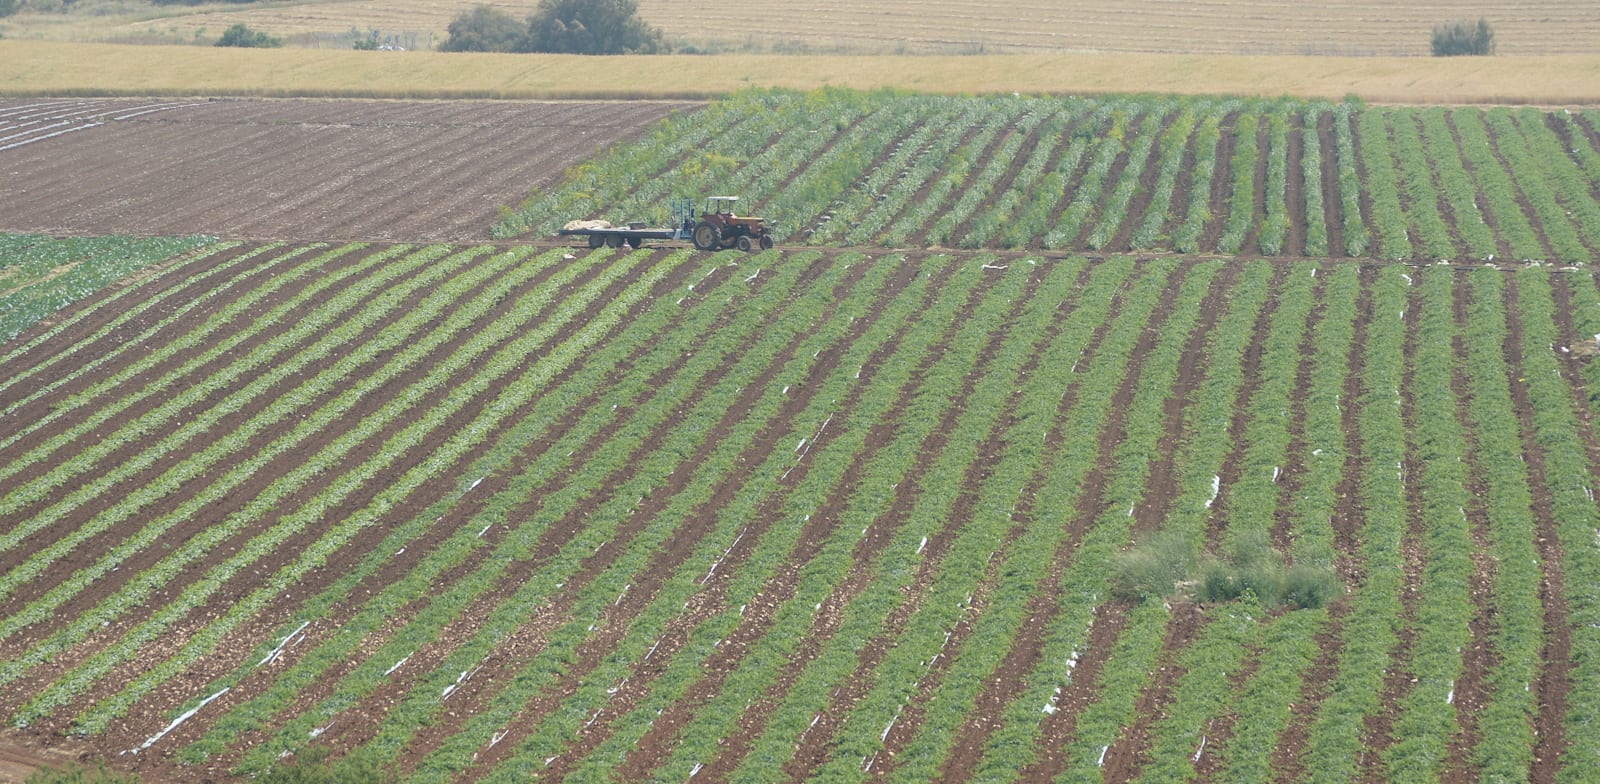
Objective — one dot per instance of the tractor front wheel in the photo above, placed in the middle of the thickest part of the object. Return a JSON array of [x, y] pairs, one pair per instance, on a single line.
[[745, 244], [766, 242], [707, 237]]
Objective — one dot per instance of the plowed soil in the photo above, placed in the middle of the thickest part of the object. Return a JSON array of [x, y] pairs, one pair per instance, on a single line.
[[288, 169]]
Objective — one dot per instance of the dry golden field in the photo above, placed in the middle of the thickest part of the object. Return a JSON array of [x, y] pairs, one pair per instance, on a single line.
[[1245, 27], [53, 68]]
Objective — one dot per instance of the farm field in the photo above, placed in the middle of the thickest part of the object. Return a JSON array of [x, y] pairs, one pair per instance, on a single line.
[[488, 513], [1188, 175], [287, 169], [1280, 27], [1063, 439]]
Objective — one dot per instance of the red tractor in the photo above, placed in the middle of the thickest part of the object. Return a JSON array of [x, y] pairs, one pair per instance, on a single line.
[[719, 228]]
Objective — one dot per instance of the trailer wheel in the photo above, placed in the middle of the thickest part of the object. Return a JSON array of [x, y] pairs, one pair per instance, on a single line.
[[596, 240], [614, 240], [766, 242], [707, 237], [635, 242]]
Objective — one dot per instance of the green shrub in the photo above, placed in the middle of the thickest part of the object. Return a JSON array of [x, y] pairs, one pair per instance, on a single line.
[[240, 35], [1164, 567], [1460, 38], [1153, 569]]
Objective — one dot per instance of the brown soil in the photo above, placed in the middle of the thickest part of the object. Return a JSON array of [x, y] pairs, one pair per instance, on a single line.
[[1289, 756], [1221, 183], [1294, 243], [1332, 207], [1149, 176], [1400, 677], [1555, 678], [1479, 658], [377, 170]]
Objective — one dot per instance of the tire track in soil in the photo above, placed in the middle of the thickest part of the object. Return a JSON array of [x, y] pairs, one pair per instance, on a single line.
[[61, 394], [1555, 677], [1130, 751], [1332, 207], [417, 550], [1188, 622], [238, 587], [89, 511], [712, 599], [67, 398], [1258, 200], [1001, 186], [1219, 731], [1073, 180], [1480, 657], [1122, 242], [1025, 653], [1526, 206], [1364, 194], [1289, 756], [1292, 480], [279, 466], [1379, 727], [1458, 244], [1111, 616], [54, 356], [657, 743], [1221, 183], [1571, 132], [988, 455], [467, 623], [813, 748], [1013, 669], [1182, 185], [1107, 187], [1294, 243], [880, 160], [823, 522], [592, 653], [130, 417], [1502, 244], [918, 237], [907, 727]]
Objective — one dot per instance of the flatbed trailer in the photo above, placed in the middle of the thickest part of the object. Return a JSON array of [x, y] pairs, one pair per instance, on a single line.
[[634, 234], [717, 229], [615, 236]]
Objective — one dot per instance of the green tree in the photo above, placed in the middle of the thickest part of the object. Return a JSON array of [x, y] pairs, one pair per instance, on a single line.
[[240, 35], [591, 27], [8, 7], [1459, 38], [484, 29]]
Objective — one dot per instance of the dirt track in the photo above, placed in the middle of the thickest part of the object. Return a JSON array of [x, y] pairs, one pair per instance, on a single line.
[[288, 169]]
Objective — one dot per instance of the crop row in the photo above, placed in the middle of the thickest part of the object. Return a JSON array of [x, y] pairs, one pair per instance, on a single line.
[[1103, 174], [490, 514]]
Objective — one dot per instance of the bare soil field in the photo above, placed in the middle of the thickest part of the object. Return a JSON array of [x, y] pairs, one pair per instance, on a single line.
[[336, 170]]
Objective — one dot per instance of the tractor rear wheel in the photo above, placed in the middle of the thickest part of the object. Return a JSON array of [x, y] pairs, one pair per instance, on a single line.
[[707, 237]]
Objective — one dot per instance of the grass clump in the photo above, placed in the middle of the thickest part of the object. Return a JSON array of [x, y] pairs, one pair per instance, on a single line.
[[1166, 566]]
